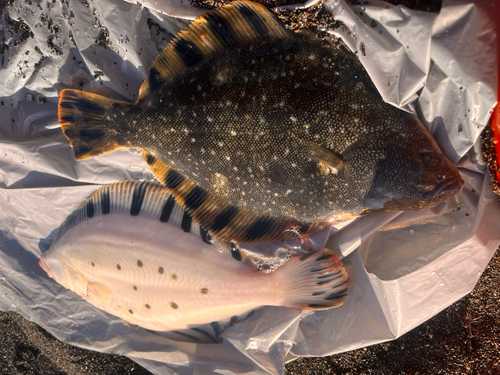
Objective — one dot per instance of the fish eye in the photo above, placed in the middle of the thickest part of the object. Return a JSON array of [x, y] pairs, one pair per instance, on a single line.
[[430, 158], [425, 182]]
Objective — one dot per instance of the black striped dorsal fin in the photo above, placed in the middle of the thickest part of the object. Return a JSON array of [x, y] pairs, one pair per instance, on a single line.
[[221, 219], [204, 334], [146, 199], [210, 34], [136, 198]]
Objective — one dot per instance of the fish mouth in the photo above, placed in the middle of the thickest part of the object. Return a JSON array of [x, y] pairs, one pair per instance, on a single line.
[[446, 188]]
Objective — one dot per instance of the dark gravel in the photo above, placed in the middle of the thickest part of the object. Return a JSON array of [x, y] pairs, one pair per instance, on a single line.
[[462, 339]]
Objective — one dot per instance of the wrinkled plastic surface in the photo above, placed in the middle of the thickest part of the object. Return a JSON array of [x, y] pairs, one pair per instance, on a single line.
[[404, 267]]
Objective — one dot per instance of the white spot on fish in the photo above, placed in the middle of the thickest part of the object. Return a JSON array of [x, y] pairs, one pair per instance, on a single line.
[[193, 140]]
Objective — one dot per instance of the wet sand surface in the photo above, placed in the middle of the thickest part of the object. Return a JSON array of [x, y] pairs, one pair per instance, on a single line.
[[462, 339]]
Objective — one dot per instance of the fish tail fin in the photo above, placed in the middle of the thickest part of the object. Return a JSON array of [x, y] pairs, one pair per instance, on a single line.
[[315, 281], [85, 120]]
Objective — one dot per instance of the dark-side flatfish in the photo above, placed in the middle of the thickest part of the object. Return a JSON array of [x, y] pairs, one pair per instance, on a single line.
[[132, 251], [260, 132]]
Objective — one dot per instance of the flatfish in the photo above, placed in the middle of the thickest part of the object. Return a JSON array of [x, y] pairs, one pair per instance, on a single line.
[[133, 252], [263, 133]]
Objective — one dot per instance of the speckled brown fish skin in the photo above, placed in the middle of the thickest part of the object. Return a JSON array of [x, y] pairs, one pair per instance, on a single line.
[[281, 126]]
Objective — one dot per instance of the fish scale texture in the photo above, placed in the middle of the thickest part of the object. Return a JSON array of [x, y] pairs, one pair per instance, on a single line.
[[265, 129], [254, 128]]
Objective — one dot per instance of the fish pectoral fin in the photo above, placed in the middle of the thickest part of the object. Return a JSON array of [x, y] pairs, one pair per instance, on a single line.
[[96, 288], [328, 161]]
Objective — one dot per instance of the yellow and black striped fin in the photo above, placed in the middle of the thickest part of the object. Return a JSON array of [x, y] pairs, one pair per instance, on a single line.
[[146, 199], [221, 219], [212, 33]]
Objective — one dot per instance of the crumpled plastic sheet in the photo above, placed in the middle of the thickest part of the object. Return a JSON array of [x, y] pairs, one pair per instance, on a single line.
[[405, 266]]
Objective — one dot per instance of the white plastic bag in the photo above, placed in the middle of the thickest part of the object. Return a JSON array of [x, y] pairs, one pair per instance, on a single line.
[[405, 267]]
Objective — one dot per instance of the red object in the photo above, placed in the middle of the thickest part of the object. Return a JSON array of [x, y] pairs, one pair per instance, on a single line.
[[495, 116], [495, 126]]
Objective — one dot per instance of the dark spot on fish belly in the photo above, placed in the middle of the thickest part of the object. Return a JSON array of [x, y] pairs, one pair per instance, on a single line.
[[260, 228], [174, 276], [130, 311], [90, 209], [105, 203], [235, 252], [204, 291], [173, 179], [118, 266], [160, 270], [150, 159], [224, 218], [155, 79], [205, 236], [92, 264], [137, 198], [135, 288], [167, 208], [147, 306], [174, 305], [195, 198], [188, 52], [186, 222], [139, 263]]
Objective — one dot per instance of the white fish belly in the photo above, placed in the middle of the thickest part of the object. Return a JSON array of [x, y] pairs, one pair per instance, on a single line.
[[156, 275]]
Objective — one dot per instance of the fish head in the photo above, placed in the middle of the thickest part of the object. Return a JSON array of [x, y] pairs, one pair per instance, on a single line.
[[411, 173], [63, 273]]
